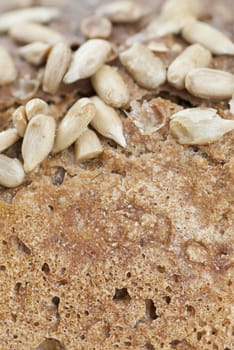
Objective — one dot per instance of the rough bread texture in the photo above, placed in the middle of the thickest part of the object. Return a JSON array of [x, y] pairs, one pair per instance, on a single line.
[[133, 250]]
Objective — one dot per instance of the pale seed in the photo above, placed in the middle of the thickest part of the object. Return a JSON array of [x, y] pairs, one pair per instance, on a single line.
[[8, 71], [157, 47], [231, 104], [38, 141], [147, 69], [74, 123], [107, 122], [211, 38], [8, 138], [88, 146], [88, 59], [110, 87], [32, 14], [36, 106], [96, 27], [197, 126], [35, 53], [56, 67], [20, 120], [11, 172], [193, 56], [174, 16], [28, 32], [122, 11], [181, 7], [210, 83]]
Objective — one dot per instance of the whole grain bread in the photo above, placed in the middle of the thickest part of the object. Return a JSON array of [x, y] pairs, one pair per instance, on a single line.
[[134, 249]]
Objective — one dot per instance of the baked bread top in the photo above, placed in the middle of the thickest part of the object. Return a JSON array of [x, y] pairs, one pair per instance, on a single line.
[[133, 249]]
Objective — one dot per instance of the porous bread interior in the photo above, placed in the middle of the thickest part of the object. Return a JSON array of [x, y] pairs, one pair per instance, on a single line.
[[130, 251]]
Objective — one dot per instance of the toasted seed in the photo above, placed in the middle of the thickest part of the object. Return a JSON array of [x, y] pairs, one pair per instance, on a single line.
[[11, 172], [8, 71], [110, 86], [20, 120], [56, 67], [209, 37], [34, 14], [88, 59], [88, 146], [8, 138], [35, 53], [210, 83], [38, 141], [28, 32], [107, 122], [147, 69], [122, 11], [193, 56], [74, 123], [96, 27], [36, 106], [198, 126]]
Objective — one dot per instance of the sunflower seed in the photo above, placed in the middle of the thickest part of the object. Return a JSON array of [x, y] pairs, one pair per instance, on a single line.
[[122, 11], [74, 123], [231, 104], [147, 69], [88, 146], [210, 83], [36, 106], [11, 172], [209, 37], [96, 27], [193, 56], [35, 53], [20, 120], [8, 71], [34, 14], [174, 15], [28, 32], [88, 59], [56, 67], [198, 126], [110, 86], [182, 7], [157, 46], [38, 141], [8, 138], [107, 122]]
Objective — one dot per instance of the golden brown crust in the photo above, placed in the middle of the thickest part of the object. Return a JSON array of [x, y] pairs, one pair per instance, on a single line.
[[131, 251]]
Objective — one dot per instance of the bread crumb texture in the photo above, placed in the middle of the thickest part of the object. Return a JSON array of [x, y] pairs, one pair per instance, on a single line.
[[133, 250]]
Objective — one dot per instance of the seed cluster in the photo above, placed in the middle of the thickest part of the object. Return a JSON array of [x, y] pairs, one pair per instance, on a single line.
[[191, 70]]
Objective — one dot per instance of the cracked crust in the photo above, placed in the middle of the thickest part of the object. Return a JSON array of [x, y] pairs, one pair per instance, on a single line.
[[133, 250]]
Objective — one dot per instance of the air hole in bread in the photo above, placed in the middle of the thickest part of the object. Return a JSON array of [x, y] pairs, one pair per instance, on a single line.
[[17, 287], [150, 309], [190, 310], [121, 295], [56, 301], [21, 246], [45, 268], [2, 268], [167, 299], [149, 346], [58, 177], [50, 344]]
